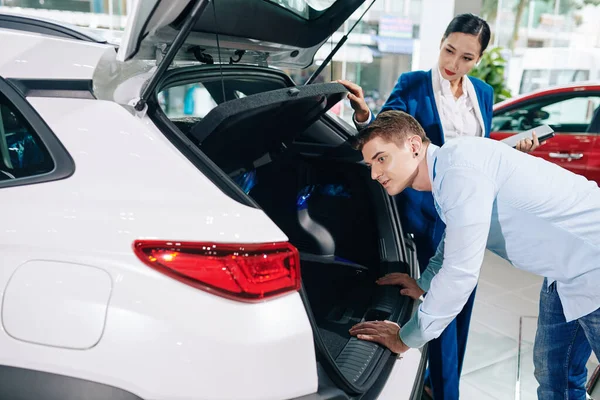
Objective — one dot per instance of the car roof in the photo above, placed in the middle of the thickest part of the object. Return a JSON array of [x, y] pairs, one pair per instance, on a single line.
[[49, 27], [29, 55], [572, 87]]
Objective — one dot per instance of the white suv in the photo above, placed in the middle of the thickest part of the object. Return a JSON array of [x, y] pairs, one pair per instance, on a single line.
[[174, 227]]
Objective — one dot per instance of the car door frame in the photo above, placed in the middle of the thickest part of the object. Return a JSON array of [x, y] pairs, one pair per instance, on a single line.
[[64, 165]]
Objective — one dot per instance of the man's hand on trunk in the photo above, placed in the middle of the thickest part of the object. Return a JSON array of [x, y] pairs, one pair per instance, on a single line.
[[385, 333], [408, 284]]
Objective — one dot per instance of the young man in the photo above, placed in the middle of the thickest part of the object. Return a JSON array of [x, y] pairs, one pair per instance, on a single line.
[[538, 216]]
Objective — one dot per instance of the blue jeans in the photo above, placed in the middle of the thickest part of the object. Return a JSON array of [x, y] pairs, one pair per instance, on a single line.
[[563, 348]]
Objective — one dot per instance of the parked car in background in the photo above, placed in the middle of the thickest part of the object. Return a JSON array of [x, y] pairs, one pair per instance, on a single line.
[[572, 111]]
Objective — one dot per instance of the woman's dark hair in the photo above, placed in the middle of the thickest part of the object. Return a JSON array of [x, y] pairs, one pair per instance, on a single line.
[[472, 25]]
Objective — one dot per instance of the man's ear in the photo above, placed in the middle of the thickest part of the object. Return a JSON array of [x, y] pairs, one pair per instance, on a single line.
[[415, 144]]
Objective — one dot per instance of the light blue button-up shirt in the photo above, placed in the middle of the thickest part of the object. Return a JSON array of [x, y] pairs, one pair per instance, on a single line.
[[536, 215]]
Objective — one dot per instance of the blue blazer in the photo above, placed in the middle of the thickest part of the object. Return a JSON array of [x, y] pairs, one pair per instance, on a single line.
[[414, 95]]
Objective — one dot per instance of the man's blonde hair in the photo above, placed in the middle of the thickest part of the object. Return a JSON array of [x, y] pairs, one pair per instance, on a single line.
[[392, 126]]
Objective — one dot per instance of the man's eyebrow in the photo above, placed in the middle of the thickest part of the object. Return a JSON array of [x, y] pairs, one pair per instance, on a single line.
[[376, 154]]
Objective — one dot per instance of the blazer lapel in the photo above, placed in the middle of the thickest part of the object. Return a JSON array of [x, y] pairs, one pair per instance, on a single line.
[[434, 95], [475, 102]]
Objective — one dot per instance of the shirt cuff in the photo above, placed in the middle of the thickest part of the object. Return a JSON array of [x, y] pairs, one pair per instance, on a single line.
[[361, 125], [411, 335], [424, 282]]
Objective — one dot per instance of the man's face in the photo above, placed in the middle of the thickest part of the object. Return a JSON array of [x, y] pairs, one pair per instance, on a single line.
[[393, 166]]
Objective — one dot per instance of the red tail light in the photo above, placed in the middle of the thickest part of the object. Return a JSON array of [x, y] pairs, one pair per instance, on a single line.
[[248, 272]]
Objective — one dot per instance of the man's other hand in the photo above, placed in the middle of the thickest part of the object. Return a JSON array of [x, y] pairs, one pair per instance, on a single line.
[[408, 284]]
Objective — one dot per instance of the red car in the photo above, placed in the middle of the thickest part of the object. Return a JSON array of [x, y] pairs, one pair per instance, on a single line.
[[572, 111]]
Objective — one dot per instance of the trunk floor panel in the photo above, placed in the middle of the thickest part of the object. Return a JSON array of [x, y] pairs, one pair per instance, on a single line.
[[334, 340], [335, 322]]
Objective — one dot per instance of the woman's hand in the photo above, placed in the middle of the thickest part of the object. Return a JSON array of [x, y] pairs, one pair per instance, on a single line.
[[357, 100], [409, 285], [528, 145]]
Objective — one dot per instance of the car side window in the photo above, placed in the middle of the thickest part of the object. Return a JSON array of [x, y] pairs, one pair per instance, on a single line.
[[193, 101], [186, 101], [185, 104], [22, 153], [576, 113], [534, 79], [565, 115]]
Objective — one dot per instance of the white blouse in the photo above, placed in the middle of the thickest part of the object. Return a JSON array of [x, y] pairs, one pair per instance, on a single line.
[[459, 117]]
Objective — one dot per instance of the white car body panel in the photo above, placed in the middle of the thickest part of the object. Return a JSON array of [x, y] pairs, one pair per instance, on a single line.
[[162, 339], [129, 183], [66, 304], [27, 55], [403, 376], [33, 56]]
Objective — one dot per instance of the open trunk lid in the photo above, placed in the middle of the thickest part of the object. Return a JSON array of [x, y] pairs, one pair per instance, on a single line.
[[282, 33], [262, 125]]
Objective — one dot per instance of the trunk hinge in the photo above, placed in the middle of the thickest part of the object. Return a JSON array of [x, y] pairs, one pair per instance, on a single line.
[[169, 56], [262, 60], [141, 113], [161, 52]]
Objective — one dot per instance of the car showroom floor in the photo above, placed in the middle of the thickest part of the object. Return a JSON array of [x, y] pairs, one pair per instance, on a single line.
[[507, 299]]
